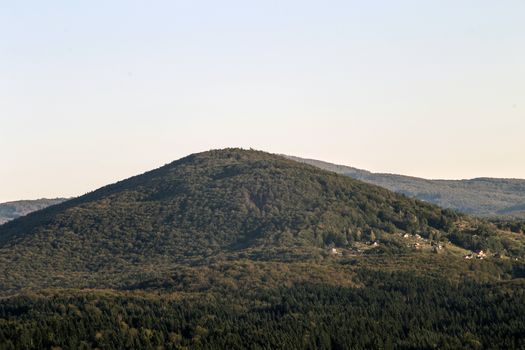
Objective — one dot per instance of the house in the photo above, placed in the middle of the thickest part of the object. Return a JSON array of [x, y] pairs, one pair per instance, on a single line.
[[375, 244], [417, 236], [469, 256], [336, 252], [481, 255], [406, 235]]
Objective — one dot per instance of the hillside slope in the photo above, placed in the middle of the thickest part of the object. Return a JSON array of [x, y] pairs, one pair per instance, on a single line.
[[486, 197], [235, 249], [207, 205], [16, 209]]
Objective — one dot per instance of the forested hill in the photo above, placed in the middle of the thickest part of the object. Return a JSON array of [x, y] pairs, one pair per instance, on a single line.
[[236, 249], [214, 203], [16, 209], [486, 197]]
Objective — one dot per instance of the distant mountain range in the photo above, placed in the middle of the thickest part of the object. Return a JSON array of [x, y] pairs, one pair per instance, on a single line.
[[485, 197], [16, 209]]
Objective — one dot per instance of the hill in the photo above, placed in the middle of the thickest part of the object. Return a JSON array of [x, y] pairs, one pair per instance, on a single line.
[[484, 197], [200, 206], [16, 209], [235, 249]]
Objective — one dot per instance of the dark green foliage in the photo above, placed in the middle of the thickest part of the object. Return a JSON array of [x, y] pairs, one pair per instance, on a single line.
[[391, 311], [516, 226], [480, 238]]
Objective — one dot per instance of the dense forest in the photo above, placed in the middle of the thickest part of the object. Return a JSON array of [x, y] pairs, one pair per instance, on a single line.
[[243, 249], [390, 310], [512, 225]]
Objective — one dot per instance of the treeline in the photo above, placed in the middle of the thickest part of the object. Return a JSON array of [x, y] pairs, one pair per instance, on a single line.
[[512, 225], [391, 310]]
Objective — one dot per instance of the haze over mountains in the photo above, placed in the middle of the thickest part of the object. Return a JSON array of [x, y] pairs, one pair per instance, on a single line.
[[16, 209], [485, 197]]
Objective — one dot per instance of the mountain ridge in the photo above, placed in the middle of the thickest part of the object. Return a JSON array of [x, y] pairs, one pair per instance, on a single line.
[[482, 196], [15, 209], [511, 207]]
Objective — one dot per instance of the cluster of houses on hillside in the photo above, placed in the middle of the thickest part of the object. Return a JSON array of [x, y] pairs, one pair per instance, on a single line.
[[351, 250], [420, 243], [415, 236], [479, 255]]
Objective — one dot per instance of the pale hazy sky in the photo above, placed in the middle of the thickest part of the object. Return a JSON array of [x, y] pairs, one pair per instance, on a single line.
[[95, 91]]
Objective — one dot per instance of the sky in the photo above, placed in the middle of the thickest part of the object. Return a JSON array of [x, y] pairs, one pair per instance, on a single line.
[[92, 92]]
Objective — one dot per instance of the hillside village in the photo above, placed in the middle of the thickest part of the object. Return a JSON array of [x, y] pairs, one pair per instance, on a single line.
[[416, 243]]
